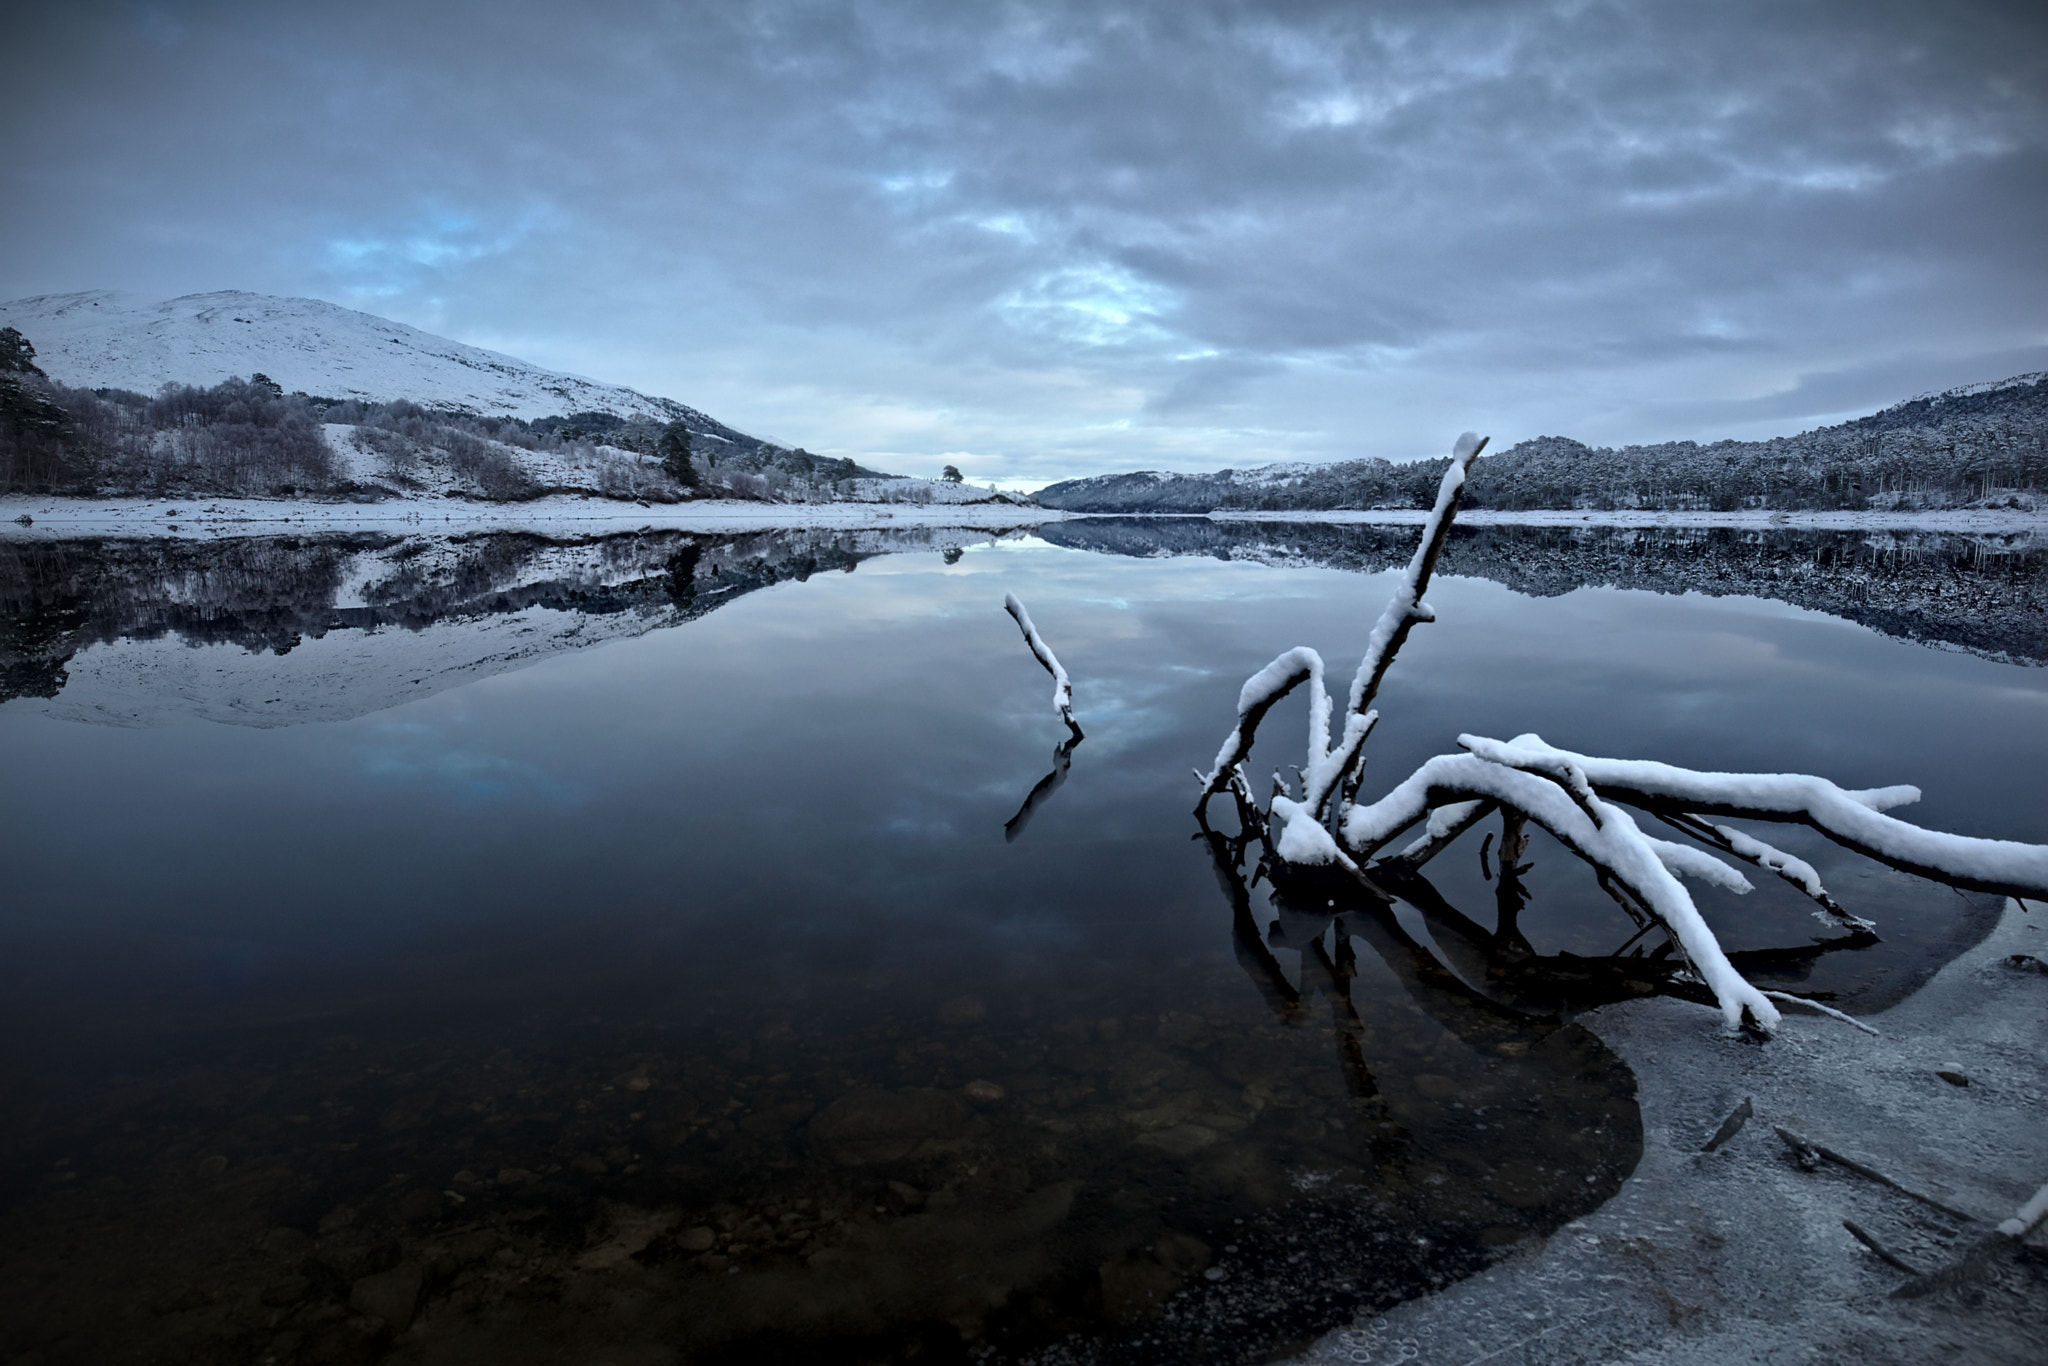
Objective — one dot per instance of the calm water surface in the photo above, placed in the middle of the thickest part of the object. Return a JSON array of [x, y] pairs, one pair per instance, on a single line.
[[509, 950]]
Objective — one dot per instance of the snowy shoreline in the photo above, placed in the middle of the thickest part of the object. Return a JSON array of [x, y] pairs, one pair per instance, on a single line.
[[1947, 519], [1738, 1254], [213, 518]]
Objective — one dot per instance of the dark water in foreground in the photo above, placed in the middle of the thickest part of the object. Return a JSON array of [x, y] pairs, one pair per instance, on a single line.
[[612, 950]]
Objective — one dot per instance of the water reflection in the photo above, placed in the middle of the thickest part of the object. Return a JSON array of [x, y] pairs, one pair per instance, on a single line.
[[1986, 593], [484, 603], [732, 1031], [1041, 793]]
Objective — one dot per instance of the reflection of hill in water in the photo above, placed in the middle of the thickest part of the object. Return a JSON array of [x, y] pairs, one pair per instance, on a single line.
[[305, 611], [1987, 595]]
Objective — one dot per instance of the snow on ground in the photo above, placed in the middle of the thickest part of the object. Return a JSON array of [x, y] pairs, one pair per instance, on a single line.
[[57, 518], [1953, 519], [1740, 1255], [106, 339]]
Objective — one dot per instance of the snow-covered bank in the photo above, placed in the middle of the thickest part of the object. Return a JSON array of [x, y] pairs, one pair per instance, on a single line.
[[56, 518], [1740, 1254], [1952, 520]]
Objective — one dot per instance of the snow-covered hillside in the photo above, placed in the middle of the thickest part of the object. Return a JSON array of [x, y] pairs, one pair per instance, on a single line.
[[244, 395], [104, 339]]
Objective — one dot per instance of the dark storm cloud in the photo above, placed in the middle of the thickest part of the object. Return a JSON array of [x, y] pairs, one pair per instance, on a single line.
[[1039, 239]]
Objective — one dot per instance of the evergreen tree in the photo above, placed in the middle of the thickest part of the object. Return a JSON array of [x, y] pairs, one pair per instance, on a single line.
[[951, 474], [17, 356], [674, 450], [33, 428]]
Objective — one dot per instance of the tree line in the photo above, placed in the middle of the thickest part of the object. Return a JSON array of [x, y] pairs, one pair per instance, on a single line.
[[1949, 450]]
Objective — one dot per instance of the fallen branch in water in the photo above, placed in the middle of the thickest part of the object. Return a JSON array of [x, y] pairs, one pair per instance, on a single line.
[[1574, 797], [1042, 793], [1062, 690]]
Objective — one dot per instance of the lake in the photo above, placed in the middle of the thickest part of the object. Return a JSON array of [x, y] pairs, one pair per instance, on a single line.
[[642, 948]]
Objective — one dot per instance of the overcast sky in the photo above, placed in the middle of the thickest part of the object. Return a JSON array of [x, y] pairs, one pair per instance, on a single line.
[[1037, 240]]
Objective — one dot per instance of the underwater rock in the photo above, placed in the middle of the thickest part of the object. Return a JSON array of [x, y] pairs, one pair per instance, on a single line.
[[866, 1127]]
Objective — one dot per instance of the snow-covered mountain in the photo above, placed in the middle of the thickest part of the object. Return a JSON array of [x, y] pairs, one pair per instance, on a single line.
[[105, 339]]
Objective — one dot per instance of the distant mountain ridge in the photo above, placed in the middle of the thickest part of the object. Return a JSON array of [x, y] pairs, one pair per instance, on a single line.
[[1974, 445], [107, 339]]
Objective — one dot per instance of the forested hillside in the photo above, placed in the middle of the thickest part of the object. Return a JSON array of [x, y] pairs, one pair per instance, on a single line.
[[1984, 444]]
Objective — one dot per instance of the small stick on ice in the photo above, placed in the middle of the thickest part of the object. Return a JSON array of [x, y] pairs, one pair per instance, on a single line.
[[1883, 1253], [1845, 1018], [1732, 1125], [1800, 1147], [1062, 690]]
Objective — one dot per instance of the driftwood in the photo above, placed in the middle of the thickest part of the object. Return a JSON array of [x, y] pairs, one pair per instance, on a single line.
[[1577, 798], [1062, 690]]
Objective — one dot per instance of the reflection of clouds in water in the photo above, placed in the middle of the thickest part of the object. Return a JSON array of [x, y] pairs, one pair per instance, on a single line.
[[410, 755]]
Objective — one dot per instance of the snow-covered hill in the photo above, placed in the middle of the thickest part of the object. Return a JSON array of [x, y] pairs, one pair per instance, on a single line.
[[1977, 445], [104, 339]]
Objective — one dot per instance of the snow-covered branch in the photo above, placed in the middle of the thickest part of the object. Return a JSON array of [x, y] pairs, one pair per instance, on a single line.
[[1604, 836], [1327, 766], [1062, 691], [1573, 796], [1403, 611], [1854, 819], [1748, 847]]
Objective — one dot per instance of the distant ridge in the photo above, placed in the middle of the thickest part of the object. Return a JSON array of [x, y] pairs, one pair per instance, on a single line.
[[105, 339], [1982, 445]]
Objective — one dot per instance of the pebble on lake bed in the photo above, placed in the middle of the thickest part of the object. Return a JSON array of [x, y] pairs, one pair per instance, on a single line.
[[984, 1090]]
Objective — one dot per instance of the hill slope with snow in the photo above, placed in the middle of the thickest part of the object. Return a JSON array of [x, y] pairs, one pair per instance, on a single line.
[[1977, 445], [105, 339]]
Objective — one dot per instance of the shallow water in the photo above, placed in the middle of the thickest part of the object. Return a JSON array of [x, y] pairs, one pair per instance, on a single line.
[[615, 947]]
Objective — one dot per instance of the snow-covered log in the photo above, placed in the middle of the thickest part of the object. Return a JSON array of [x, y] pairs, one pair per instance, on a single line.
[[1574, 797], [1854, 819], [1604, 836], [1685, 861], [1062, 690], [1258, 696]]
